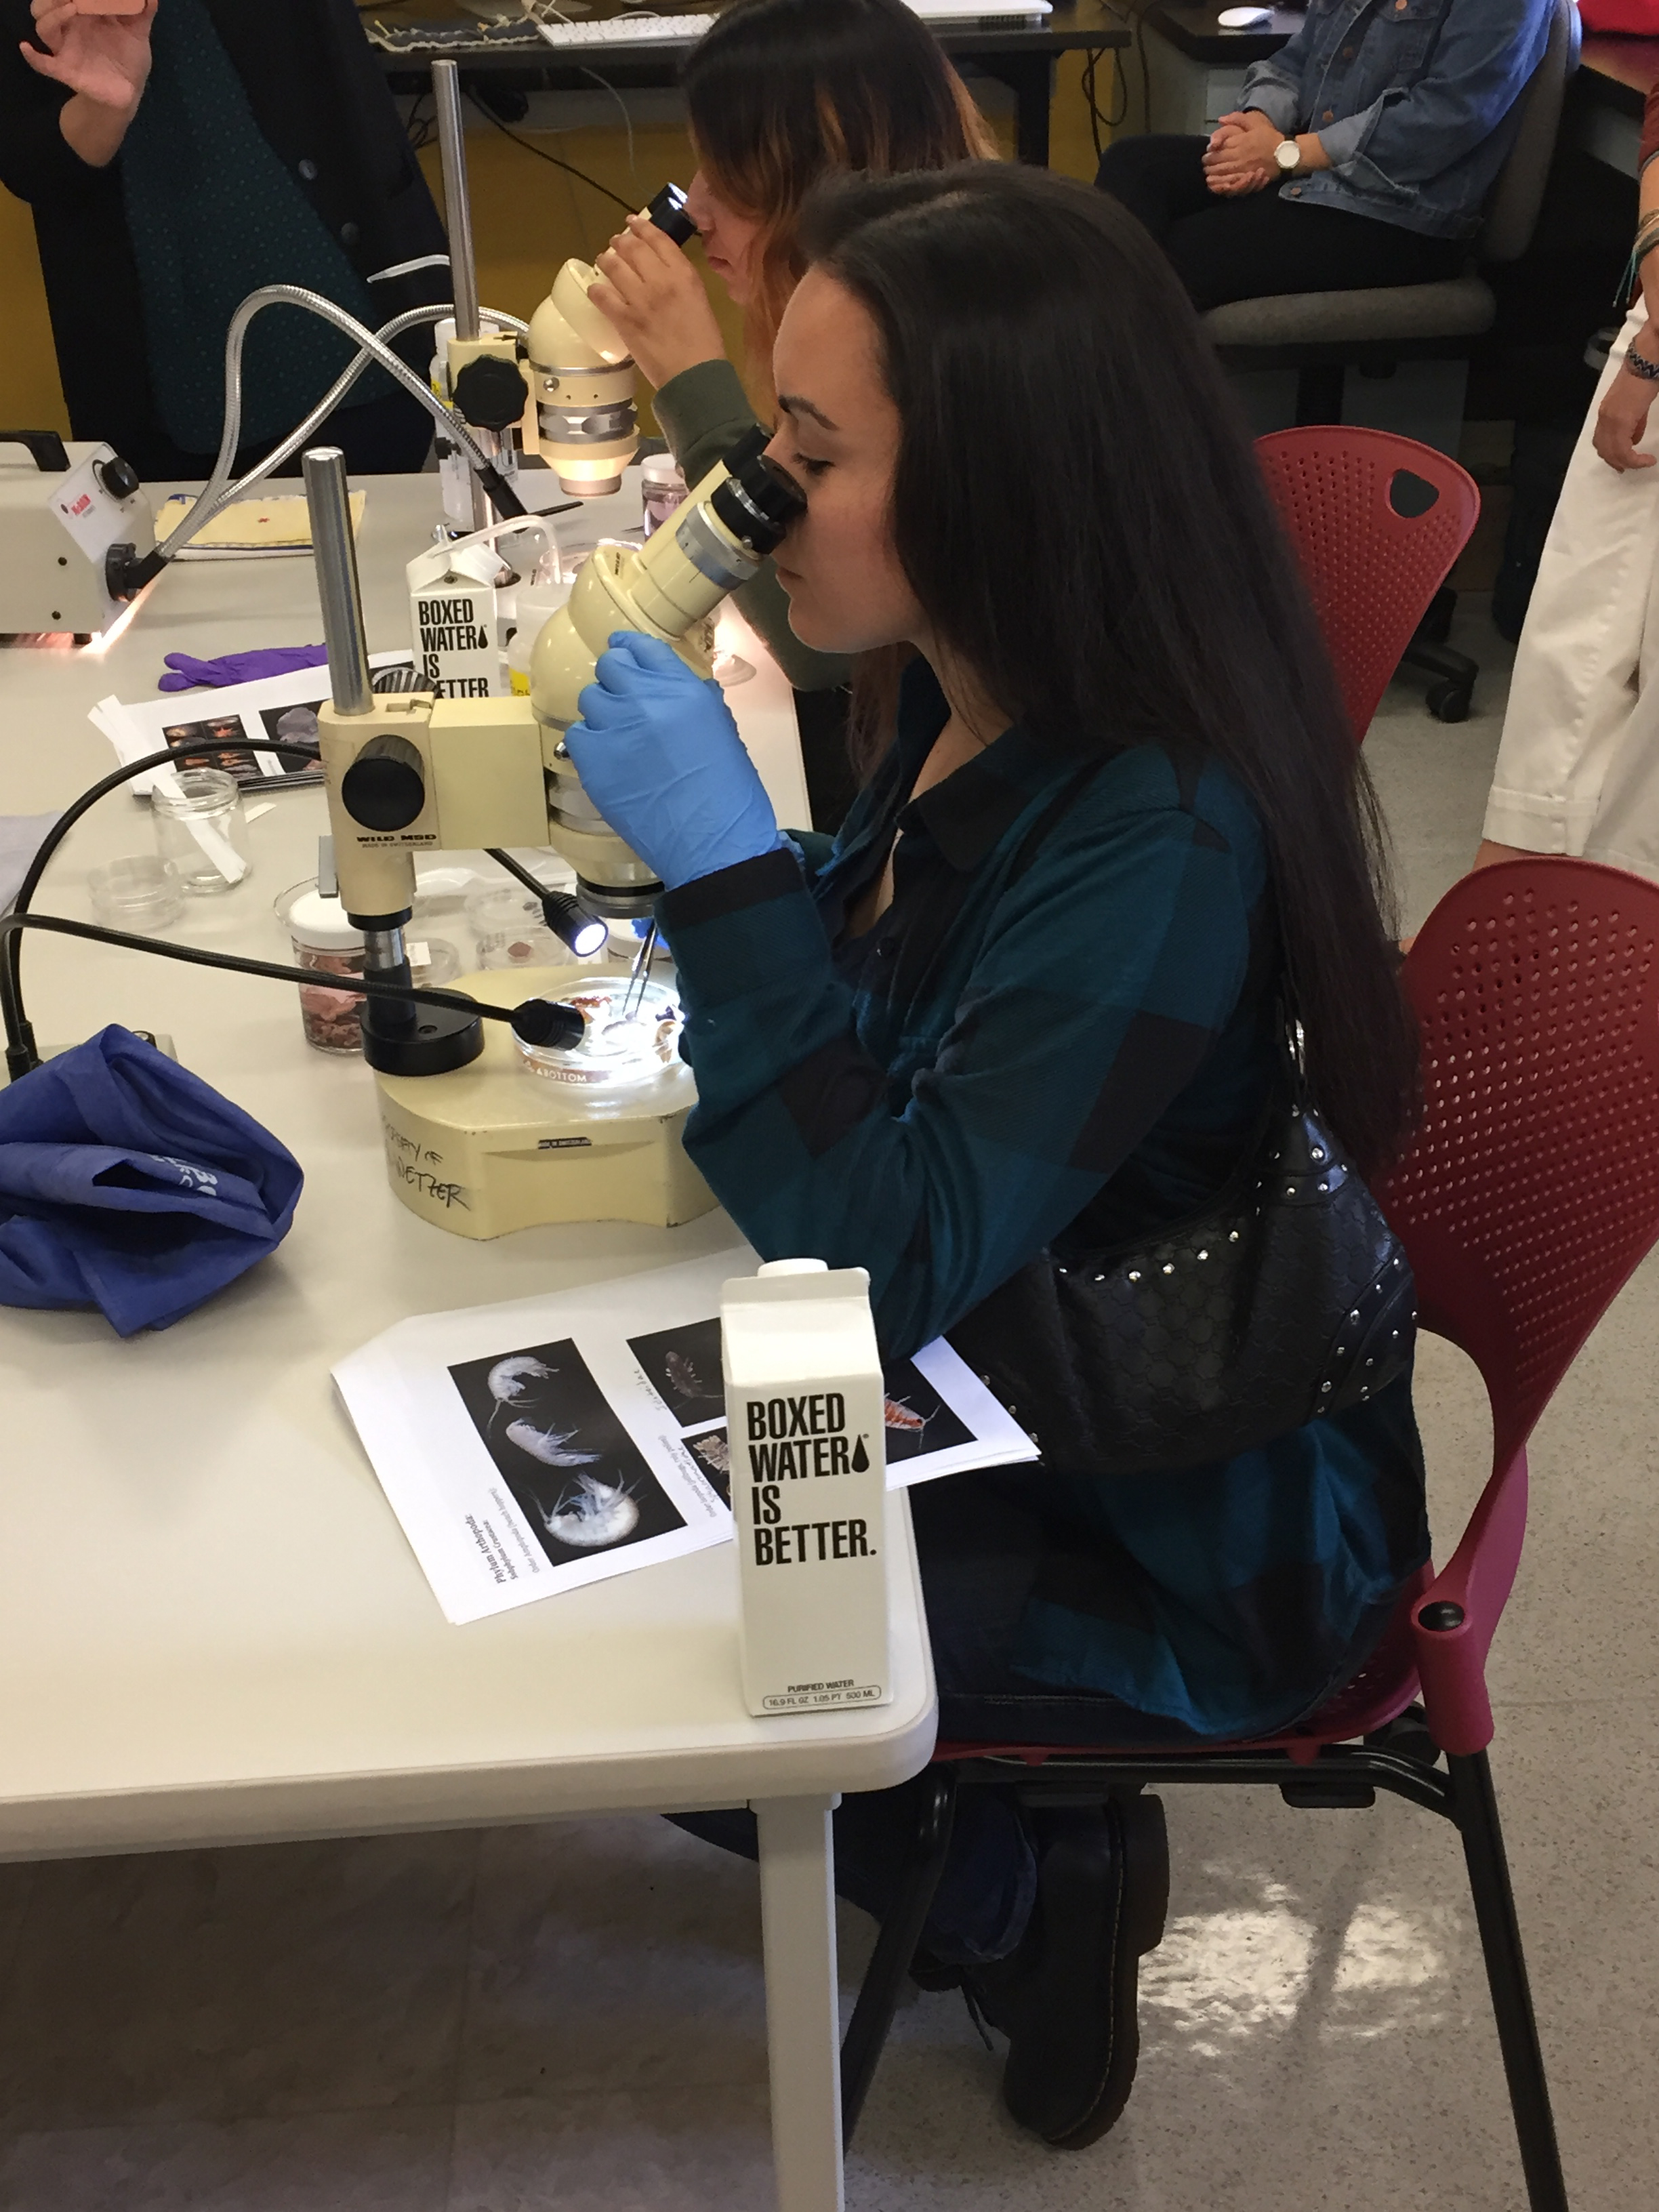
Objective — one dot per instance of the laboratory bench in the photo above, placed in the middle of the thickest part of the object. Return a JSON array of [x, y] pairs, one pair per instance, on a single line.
[[211, 1628]]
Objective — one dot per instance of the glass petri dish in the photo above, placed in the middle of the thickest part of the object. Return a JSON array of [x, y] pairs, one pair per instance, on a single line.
[[617, 1050], [140, 893]]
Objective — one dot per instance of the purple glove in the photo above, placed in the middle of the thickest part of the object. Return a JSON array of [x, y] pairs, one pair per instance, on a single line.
[[185, 672]]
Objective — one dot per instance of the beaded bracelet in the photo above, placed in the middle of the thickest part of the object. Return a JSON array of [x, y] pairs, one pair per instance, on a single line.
[[1647, 237], [1639, 364]]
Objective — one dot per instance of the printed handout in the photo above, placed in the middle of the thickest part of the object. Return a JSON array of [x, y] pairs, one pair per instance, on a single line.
[[534, 1447], [229, 727]]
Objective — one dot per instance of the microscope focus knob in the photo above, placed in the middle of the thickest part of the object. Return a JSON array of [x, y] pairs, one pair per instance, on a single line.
[[491, 393], [384, 787]]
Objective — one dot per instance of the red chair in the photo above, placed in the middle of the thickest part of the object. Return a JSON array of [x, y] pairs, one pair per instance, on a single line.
[[1528, 1197], [1377, 522]]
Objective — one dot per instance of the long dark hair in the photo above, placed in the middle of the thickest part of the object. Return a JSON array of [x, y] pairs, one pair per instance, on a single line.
[[1078, 510], [783, 93]]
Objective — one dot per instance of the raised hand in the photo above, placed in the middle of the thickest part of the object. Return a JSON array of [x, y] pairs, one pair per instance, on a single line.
[[104, 58], [655, 299]]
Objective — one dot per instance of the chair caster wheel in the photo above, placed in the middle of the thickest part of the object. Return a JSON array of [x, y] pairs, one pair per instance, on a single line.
[[1449, 703]]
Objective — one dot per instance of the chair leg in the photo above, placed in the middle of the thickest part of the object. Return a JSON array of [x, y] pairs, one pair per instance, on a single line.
[[900, 1931], [1319, 393], [1452, 693], [1476, 1807]]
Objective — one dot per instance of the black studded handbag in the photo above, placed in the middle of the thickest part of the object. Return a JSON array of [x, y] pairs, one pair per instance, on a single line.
[[1288, 1298]]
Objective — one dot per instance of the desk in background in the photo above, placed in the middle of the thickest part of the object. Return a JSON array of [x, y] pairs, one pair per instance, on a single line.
[[1606, 99], [1195, 70], [1019, 55]]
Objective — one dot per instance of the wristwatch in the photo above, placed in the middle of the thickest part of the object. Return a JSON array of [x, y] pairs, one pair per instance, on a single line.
[[1288, 156]]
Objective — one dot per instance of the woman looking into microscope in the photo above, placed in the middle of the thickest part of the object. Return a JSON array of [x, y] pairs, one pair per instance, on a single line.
[[779, 93], [1030, 1003]]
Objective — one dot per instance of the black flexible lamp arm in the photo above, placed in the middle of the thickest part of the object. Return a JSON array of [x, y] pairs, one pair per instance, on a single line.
[[22, 1056], [538, 1021], [11, 961]]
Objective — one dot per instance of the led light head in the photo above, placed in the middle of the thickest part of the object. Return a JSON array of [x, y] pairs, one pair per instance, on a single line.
[[585, 934]]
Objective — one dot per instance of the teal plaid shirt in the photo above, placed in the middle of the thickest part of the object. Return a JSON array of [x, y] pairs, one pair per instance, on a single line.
[[1065, 1016]]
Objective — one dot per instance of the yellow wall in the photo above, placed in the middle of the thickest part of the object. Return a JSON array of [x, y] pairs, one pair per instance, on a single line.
[[29, 397], [528, 216]]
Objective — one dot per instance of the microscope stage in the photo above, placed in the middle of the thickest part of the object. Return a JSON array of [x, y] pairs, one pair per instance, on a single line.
[[495, 1146]]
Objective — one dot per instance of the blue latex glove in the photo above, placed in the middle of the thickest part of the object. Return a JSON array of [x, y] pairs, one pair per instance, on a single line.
[[185, 672], [659, 756]]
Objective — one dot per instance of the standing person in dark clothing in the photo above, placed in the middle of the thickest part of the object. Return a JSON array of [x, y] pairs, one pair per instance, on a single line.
[[176, 160]]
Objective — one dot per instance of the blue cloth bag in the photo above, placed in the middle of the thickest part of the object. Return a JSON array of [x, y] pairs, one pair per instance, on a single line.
[[127, 1183]]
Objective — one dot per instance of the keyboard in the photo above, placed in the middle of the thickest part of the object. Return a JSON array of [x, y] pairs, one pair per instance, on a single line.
[[640, 30], [644, 29]]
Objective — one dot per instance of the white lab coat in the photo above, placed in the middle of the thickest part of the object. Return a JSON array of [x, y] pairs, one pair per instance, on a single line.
[[1577, 768]]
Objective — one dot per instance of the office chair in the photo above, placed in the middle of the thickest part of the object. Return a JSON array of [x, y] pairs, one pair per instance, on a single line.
[[1526, 1200], [1321, 335], [1377, 522]]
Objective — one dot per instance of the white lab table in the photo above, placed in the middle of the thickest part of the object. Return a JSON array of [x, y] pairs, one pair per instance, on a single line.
[[211, 1629]]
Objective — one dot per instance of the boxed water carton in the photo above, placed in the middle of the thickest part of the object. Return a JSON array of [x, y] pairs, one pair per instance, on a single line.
[[804, 1404]]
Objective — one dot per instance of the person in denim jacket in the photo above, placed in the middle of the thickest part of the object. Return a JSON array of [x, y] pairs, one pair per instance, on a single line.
[[1362, 153]]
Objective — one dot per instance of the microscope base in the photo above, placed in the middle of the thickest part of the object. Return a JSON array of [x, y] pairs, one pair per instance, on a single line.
[[492, 1147]]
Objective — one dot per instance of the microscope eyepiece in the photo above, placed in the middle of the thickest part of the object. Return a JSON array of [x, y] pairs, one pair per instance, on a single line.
[[668, 212], [757, 502]]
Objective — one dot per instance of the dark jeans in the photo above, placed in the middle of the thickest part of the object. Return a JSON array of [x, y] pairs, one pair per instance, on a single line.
[[980, 1539], [1265, 243]]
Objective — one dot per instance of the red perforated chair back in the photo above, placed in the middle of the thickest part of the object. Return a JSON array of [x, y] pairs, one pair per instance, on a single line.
[[1532, 1190], [1377, 522]]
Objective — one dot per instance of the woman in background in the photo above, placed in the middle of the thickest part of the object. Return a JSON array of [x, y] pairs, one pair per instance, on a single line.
[[779, 93], [1361, 154], [176, 159]]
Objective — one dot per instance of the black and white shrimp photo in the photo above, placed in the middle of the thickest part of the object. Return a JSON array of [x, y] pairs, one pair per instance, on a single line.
[[712, 1450], [917, 1419], [580, 1480], [683, 1368]]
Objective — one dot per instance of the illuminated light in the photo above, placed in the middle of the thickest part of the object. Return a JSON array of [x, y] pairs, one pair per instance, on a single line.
[[616, 1048], [99, 644]]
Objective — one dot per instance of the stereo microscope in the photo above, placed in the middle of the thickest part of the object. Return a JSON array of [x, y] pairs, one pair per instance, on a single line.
[[542, 1124]]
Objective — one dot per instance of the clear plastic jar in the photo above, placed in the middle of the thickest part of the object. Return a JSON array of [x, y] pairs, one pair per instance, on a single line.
[[201, 828], [663, 488], [324, 941], [138, 893]]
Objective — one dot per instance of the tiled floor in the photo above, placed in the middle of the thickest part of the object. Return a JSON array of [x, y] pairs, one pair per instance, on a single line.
[[571, 2017]]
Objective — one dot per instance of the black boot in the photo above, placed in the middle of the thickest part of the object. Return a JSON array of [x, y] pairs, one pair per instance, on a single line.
[[1066, 1998]]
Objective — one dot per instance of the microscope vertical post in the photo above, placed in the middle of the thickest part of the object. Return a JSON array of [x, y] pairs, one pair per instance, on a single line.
[[343, 634], [457, 221], [330, 505], [457, 204]]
